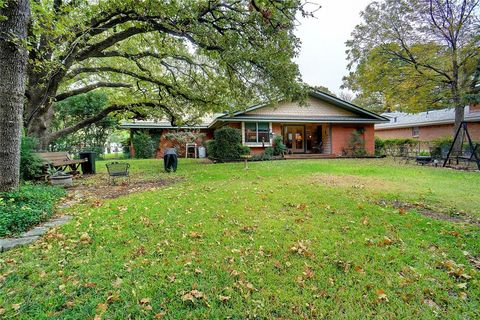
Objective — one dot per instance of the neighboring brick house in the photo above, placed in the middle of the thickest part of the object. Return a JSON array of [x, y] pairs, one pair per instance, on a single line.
[[428, 126], [323, 126]]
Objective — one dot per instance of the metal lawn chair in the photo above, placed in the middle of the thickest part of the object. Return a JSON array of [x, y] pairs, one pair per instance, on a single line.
[[117, 169]]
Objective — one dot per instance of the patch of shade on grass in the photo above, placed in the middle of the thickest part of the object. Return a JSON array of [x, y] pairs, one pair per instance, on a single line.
[[285, 239]]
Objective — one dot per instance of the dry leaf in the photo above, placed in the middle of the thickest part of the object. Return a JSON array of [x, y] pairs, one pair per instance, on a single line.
[[198, 271], [160, 315], [197, 294], [359, 269], [2, 311], [223, 298], [85, 238], [381, 296], [188, 297], [102, 307], [145, 301], [16, 306], [117, 282], [194, 235]]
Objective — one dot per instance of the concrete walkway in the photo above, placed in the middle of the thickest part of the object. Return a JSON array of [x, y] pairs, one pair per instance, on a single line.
[[32, 235]]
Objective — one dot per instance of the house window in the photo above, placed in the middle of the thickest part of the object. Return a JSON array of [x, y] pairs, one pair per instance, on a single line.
[[415, 132], [257, 132]]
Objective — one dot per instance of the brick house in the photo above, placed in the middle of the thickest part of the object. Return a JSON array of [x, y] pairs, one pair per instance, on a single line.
[[429, 125], [322, 127]]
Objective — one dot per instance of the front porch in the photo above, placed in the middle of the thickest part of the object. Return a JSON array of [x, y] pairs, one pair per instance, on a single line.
[[307, 138]]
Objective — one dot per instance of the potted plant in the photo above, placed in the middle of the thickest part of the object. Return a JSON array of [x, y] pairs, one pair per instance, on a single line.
[[59, 177]]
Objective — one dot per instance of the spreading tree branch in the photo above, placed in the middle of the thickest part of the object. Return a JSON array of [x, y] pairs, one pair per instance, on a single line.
[[91, 87]]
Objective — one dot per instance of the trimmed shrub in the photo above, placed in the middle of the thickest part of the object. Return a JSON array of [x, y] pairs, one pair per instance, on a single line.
[[379, 147], [26, 207], [278, 147], [144, 146], [356, 145], [441, 145], [227, 145], [399, 147], [31, 165]]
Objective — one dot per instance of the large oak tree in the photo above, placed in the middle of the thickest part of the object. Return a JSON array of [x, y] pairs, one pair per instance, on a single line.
[[14, 17], [175, 58], [155, 58]]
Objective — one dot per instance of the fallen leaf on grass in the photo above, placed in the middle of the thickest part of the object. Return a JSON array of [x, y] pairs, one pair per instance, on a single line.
[[85, 238], [195, 235], [2, 311], [160, 315], [386, 241], [16, 306], [117, 282], [188, 297], [223, 298], [381, 296], [431, 303], [359, 269], [102, 308]]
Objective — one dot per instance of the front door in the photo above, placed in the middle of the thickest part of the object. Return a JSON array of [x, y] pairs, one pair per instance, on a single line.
[[295, 138]]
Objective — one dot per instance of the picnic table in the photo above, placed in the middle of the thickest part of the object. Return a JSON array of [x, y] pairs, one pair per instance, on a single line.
[[61, 161]]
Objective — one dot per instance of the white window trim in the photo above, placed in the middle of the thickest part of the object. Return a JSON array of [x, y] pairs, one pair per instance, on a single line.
[[256, 144]]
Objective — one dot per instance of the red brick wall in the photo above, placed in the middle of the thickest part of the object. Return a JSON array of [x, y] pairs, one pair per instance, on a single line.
[[164, 143], [428, 133], [341, 135]]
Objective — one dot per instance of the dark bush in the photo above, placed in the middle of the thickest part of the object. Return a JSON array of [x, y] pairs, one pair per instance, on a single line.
[[227, 145], [379, 147], [144, 146], [278, 147], [356, 145], [26, 207], [31, 165], [399, 147], [441, 145]]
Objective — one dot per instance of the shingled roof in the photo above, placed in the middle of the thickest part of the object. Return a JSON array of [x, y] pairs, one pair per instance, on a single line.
[[428, 118]]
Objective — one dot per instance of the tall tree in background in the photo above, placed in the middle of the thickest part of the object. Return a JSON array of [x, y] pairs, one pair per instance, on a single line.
[[416, 52], [14, 18], [158, 58]]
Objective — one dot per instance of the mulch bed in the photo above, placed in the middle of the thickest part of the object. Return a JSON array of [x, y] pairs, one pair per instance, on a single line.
[[100, 189]]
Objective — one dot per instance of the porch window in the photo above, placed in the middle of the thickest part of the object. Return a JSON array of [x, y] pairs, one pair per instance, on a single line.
[[257, 132]]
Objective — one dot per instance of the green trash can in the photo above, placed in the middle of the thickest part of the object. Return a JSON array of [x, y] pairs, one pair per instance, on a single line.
[[88, 167]]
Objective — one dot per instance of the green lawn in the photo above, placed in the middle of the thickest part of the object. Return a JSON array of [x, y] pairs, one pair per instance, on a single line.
[[285, 239]]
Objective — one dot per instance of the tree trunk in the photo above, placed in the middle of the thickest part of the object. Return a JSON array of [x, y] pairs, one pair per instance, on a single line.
[[13, 60]]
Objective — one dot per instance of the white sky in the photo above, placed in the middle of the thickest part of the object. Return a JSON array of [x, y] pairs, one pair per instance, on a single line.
[[322, 59]]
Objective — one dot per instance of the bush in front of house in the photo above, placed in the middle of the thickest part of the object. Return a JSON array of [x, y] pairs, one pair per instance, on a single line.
[[144, 146], [356, 145], [379, 147], [27, 206], [227, 145], [31, 165], [399, 147], [441, 145], [278, 147]]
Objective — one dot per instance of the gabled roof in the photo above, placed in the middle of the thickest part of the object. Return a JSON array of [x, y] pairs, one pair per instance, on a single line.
[[361, 115], [427, 118], [346, 113]]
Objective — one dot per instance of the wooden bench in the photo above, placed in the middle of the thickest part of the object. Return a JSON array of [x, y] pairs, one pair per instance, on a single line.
[[61, 160]]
